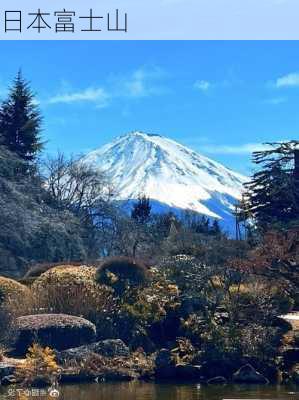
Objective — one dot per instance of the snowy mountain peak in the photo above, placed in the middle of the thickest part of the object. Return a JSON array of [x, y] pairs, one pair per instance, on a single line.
[[171, 174]]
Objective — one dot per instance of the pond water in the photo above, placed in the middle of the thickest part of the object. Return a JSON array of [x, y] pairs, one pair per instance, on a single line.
[[152, 391]]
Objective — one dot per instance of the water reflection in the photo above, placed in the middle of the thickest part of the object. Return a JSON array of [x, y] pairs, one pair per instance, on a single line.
[[151, 391]]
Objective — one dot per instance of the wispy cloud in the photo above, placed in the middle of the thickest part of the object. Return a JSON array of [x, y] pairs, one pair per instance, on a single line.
[[142, 82], [91, 94], [275, 101], [202, 85], [246, 148], [289, 80]]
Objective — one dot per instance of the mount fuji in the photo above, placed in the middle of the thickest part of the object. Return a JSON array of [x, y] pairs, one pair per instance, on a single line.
[[173, 176]]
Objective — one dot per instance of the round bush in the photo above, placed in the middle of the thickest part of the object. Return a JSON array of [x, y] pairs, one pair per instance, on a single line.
[[121, 273], [36, 270], [11, 290], [71, 290], [58, 331]]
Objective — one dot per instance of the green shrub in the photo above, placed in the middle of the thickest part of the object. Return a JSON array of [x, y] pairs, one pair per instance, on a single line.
[[122, 273]]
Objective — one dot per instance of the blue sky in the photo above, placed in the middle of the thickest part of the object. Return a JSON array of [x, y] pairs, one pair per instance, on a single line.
[[222, 99]]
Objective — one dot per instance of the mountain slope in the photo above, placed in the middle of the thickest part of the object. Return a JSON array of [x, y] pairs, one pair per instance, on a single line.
[[172, 175]]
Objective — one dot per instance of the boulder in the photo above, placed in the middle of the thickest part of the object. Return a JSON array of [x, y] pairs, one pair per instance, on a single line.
[[218, 380], [219, 367], [281, 323], [165, 365], [290, 356], [164, 359], [8, 380], [296, 375], [6, 370], [182, 372], [247, 374], [58, 331], [188, 372], [107, 348], [167, 369]]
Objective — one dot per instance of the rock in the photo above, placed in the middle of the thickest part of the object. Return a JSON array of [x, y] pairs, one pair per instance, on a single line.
[[282, 324], [290, 356], [165, 365], [295, 376], [110, 348], [219, 367], [141, 340], [184, 372], [165, 372], [6, 370], [117, 376], [58, 331], [247, 374], [188, 372], [8, 380], [107, 348], [167, 369], [164, 359], [218, 380]]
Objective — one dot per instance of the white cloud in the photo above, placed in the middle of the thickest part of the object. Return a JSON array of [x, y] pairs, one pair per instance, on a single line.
[[94, 95], [143, 82], [246, 148], [275, 101], [136, 85], [289, 80], [202, 85]]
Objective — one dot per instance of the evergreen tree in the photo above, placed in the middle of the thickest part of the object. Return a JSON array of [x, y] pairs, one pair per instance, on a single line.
[[272, 195], [20, 121], [203, 225], [141, 211], [215, 228]]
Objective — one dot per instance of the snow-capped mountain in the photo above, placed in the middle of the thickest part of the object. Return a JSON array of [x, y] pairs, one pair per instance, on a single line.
[[171, 175]]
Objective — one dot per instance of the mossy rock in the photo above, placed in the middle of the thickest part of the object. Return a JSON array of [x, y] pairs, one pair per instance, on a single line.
[[12, 290], [58, 331]]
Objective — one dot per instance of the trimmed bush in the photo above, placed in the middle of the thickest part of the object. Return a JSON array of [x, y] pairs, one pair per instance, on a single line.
[[58, 331], [11, 290], [122, 273], [35, 271], [71, 290]]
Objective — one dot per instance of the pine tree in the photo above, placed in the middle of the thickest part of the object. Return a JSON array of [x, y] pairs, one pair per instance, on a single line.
[[272, 195], [20, 121], [141, 211], [215, 228]]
